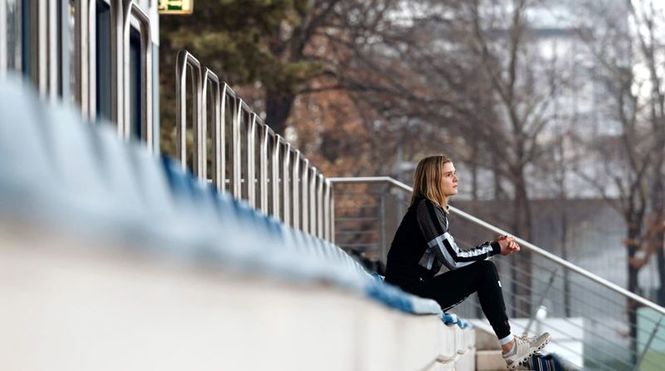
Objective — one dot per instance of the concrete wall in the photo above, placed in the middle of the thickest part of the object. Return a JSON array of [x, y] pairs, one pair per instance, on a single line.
[[70, 303]]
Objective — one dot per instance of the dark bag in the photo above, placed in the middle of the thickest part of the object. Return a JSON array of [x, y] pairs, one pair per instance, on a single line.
[[549, 362]]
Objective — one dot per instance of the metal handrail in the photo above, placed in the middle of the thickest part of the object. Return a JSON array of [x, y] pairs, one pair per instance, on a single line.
[[187, 61], [51, 48], [133, 11], [85, 57], [297, 192], [211, 83], [531, 247]]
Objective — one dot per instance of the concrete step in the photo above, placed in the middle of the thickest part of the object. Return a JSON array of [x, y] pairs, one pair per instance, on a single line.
[[486, 340], [489, 360]]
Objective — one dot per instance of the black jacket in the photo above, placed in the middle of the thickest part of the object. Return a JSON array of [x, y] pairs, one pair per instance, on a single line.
[[422, 245]]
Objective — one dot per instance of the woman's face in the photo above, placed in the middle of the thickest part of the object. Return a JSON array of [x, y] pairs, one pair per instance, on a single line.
[[449, 180]]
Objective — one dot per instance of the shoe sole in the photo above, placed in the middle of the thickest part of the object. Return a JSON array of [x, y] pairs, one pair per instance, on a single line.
[[526, 358]]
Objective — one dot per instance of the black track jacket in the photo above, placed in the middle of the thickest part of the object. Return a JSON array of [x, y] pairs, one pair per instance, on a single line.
[[422, 245]]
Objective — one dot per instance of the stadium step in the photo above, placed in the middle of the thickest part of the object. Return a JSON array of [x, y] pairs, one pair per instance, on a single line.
[[489, 360], [488, 352]]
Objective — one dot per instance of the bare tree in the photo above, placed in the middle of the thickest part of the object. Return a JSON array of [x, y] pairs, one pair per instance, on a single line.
[[650, 22], [623, 38], [476, 73]]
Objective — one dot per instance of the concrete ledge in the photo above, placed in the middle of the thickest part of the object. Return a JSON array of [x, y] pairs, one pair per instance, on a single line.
[[466, 361], [489, 360], [73, 304]]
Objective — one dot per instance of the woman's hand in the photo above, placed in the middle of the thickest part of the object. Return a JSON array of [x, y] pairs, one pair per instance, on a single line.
[[508, 245]]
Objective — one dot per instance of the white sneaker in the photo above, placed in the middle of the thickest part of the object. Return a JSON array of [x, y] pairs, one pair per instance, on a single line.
[[523, 348]]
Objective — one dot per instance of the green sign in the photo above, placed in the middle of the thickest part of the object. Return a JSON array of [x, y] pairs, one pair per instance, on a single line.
[[176, 6]]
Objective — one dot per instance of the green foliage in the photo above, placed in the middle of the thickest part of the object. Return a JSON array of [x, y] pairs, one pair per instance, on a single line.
[[243, 41], [246, 41]]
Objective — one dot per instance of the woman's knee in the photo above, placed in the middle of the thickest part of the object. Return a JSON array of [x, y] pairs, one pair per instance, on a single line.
[[489, 268]]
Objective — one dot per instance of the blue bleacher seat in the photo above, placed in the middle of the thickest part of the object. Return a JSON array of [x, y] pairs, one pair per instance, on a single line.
[[83, 176]]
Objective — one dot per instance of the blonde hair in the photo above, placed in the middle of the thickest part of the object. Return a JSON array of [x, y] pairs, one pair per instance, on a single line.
[[427, 180]]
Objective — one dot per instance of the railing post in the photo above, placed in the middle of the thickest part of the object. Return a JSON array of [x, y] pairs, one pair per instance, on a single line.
[[382, 227], [211, 78], [275, 176], [117, 67], [185, 60], [331, 212], [86, 57], [541, 300], [44, 33], [53, 60], [327, 203], [250, 179], [132, 10], [236, 187], [295, 181], [304, 195], [201, 132], [264, 189], [287, 178], [39, 46], [320, 202], [228, 103], [313, 204]]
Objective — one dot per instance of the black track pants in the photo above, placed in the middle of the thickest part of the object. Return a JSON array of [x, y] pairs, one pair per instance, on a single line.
[[451, 288]]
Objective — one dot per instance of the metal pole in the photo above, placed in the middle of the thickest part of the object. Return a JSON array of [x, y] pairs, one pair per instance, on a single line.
[[211, 78], [263, 168], [85, 57], [382, 228], [186, 60], [331, 217], [53, 36], [250, 178], [40, 46], [117, 67], [304, 195], [540, 302], [228, 112], [132, 11], [65, 37], [327, 190], [236, 188], [320, 202], [275, 177], [200, 135], [287, 177], [295, 180], [312, 201]]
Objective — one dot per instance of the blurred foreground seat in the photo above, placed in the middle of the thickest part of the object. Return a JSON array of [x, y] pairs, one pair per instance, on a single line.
[[112, 258]]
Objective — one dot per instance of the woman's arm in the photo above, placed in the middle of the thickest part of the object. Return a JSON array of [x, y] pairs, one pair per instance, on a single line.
[[441, 245]]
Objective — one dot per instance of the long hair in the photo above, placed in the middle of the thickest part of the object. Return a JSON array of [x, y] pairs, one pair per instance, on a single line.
[[427, 180]]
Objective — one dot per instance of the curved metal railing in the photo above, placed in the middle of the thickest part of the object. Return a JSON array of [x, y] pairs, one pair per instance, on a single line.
[[250, 160]]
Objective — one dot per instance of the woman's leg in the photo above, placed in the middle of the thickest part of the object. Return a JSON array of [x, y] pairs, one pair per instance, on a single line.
[[451, 288]]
